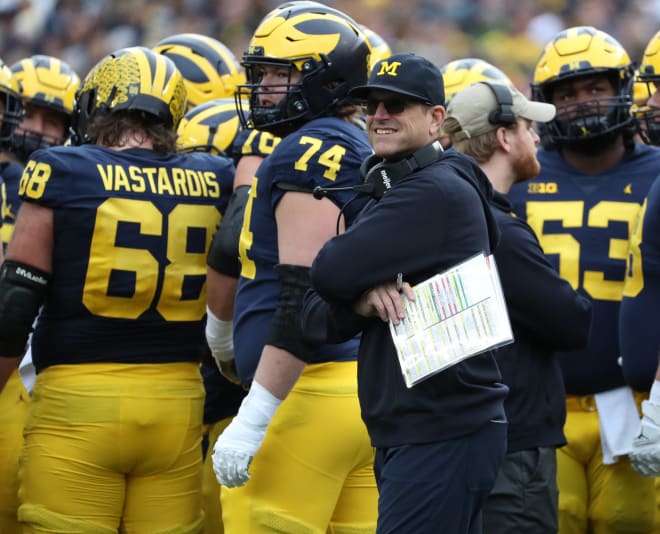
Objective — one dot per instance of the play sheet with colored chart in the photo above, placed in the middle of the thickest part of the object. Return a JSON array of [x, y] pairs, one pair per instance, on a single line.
[[456, 314]]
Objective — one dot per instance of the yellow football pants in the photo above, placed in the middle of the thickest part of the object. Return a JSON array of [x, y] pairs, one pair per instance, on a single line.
[[13, 407], [596, 498], [314, 470], [113, 444]]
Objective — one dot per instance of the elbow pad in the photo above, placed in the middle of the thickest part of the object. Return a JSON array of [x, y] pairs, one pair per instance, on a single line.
[[286, 327], [223, 253], [22, 291]]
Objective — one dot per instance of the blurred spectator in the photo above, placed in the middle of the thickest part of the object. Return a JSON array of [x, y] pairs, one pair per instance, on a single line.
[[508, 33]]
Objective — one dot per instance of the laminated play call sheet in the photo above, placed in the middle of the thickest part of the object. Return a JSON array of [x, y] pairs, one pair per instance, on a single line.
[[456, 314]]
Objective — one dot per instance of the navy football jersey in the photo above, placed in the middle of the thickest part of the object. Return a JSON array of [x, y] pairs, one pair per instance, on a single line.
[[131, 231], [584, 223], [253, 143], [640, 307], [11, 175], [326, 152]]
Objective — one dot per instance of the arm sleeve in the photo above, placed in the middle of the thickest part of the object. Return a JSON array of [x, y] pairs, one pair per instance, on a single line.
[[223, 253]]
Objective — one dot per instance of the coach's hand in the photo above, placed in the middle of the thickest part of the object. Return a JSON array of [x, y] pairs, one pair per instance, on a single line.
[[240, 441], [645, 455]]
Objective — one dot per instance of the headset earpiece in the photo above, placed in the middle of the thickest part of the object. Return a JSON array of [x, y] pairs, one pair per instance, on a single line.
[[367, 165], [504, 114], [380, 175]]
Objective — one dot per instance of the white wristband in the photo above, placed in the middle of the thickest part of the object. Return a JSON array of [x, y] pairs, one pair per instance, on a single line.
[[219, 336], [248, 428], [259, 406]]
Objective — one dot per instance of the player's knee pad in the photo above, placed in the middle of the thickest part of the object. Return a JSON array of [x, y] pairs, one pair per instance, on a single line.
[[276, 522], [196, 527], [40, 520]]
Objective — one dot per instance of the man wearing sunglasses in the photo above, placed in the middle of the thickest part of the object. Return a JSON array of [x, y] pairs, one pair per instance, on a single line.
[[438, 443]]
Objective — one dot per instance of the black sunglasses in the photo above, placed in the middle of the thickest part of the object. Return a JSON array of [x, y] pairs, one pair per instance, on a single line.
[[393, 106]]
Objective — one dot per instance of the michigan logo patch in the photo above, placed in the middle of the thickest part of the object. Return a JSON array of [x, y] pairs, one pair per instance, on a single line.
[[389, 68]]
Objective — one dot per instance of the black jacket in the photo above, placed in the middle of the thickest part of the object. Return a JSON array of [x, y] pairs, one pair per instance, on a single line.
[[428, 222], [546, 315]]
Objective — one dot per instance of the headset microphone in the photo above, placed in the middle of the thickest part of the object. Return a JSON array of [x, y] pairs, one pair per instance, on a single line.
[[379, 175], [320, 192]]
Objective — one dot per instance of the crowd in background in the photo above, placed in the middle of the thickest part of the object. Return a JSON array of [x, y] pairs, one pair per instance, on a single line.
[[508, 33]]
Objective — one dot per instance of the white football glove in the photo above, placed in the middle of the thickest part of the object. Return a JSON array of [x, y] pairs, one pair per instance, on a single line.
[[240, 441], [645, 455]]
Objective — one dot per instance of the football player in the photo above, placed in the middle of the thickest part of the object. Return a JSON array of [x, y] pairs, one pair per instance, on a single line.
[[211, 74], [210, 70], [11, 114], [582, 206], [301, 62], [640, 337], [213, 127], [13, 398], [111, 239], [647, 112], [48, 88]]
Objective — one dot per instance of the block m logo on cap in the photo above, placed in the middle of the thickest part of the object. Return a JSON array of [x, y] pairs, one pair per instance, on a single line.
[[389, 68]]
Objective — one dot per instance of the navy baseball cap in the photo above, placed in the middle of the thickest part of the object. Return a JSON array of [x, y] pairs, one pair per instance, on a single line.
[[406, 74]]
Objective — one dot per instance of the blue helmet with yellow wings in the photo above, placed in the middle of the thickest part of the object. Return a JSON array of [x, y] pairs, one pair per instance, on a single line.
[[210, 70], [583, 51], [323, 44], [210, 127], [50, 83], [132, 79]]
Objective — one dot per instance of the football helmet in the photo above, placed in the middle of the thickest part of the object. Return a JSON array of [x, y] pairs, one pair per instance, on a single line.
[[209, 127], [47, 82], [136, 79], [648, 117], [588, 124], [323, 44], [12, 112], [461, 73], [210, 70], [379, 47]]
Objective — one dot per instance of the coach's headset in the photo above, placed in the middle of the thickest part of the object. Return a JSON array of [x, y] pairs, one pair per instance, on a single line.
[[504, 114], [378, 176]]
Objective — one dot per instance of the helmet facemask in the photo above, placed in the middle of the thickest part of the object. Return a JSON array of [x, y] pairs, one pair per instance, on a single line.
[[648, 124], [11, 117], [588, 126]]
